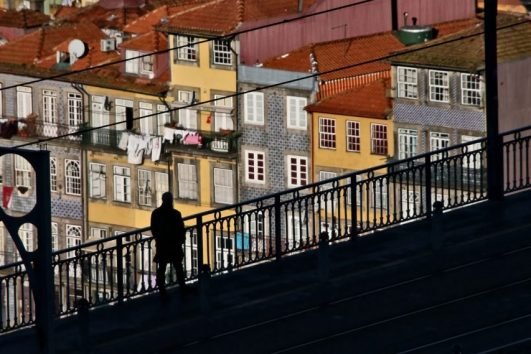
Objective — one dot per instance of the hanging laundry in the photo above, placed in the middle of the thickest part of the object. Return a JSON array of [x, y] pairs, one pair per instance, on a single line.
[[123, 141], [135, 150], [156, 148]]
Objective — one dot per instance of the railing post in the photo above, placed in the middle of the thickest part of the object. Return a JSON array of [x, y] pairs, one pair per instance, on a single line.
[[427, 183], [354, 208], [119, 270], [278, 228], [200, 250], [82, 306], [204, 285], [324, 261]]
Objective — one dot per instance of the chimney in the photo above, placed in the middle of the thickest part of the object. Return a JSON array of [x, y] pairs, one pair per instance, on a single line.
[[394, 15], [300, 6]]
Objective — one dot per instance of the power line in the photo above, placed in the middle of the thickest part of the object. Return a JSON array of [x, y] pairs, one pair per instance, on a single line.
[[257, 89], [162, 51]]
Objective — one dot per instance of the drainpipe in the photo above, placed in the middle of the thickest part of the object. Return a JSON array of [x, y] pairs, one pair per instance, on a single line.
[[300, 6], [84, 162], [162, 99], [237, 115]]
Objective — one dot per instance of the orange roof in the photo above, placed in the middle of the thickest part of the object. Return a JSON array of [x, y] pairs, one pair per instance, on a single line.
[[104, 18], [225, 16], [368, 101], [147, 42], [23, 18], [353, 52], [44, 42]]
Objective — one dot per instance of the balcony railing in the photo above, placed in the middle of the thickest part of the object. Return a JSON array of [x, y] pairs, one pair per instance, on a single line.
[[272, 227]]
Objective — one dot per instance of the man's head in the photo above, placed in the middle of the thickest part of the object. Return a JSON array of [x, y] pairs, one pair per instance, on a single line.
[[167, 199]]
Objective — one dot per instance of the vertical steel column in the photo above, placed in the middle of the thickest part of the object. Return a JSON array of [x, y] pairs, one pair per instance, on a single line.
[[494, 146]]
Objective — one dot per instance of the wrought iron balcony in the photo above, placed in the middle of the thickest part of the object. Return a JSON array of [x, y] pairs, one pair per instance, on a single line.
[[104, 137]]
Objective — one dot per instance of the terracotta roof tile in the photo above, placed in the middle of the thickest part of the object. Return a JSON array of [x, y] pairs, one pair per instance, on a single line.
[[105, 18], [22, 18], [465, 50], [219, 17], [368, 101], [147, 42]]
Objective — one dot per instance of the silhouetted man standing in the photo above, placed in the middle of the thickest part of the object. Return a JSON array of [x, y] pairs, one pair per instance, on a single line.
[[167, 227]]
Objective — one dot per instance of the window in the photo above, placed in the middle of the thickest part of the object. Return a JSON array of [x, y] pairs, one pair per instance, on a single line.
[[223, 186], [24, 101], [73, 177], [224, 252], [438, 141], [223, 120], [73, 238], [98, 233], [49, 106], [297, 231], [407, 82], [187, 180], [53, 174], [97, 180], [99, 118], [145, 113], [55, 236], [470, 90], [379, 193], [255, 166], [407, 143], [222, 52], [26, 236], [122, 184], [144, 187], [123, 112], [161, 186], [474, 157], [187, 49], [327, 133], [146, 64], [254, 108], [187, 117], [297, 171], [327, 199], [379, 139], [131, 62], [439, 86], [296, 113], [353, 136], [75, 109], [191, 255], [23, 172], [163, 117]]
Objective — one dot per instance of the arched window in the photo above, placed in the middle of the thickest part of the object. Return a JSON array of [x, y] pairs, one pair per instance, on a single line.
[[73, 177]]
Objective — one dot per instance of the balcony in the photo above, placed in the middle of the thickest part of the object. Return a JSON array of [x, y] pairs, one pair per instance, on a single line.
[[102, 137], [30, 128], [222, 142]]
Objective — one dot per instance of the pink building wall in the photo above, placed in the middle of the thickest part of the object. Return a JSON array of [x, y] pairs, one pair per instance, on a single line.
[[369, 18]]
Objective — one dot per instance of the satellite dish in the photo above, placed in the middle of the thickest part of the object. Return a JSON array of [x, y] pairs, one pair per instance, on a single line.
[[76, 48]]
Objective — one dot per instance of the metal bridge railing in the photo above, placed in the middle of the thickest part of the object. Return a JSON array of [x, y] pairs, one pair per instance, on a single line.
[[119, 268]]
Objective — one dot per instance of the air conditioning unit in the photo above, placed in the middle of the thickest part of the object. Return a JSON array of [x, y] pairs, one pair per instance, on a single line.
[[108, 44]]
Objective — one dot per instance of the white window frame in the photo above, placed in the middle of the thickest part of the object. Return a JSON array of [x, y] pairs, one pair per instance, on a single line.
[[122, 184], [162, 184], [187, 49], [145, 187], [254, 108], [187, 181], [147, 63], [223, 186], [97, 180], [163, 117], [471, 90], [297, 117], [223, 120], [75, 109], [53, 174], [72, 177], [225, 251], [221, 52], [132, 62], [145, 114], [379, 139], [327, 133], [191, 253], [407, 143], [73, 237], [187, 116], [439, 141], [297, 170], [23, 172], [99, 118], [255, 166], [98, 233], [49, 106], [330, 202], [25, 233], [24, 101], [120, 112], [439, 86], [353, 136], [297, 231], [407, 79]]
